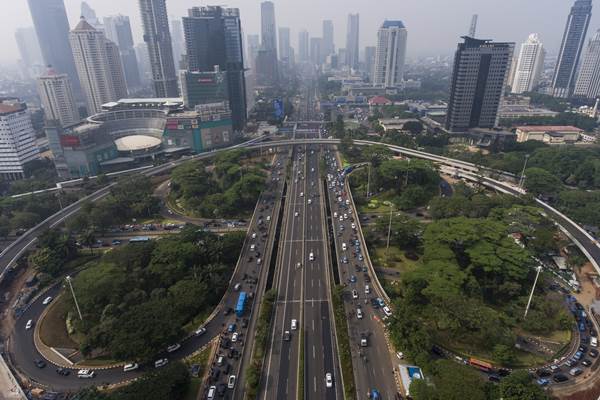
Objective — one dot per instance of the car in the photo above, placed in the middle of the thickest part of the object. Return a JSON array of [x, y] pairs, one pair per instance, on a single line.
[[28, 325], [374, 303], [363, 340], [400, 355], [593, 353], [173, 347], [578, 355], [353, 225], [227, 311], [555, 368], [296, 214], [344, 260], [130, 367], [258, 261], [47, 300], [301, 194], [234, 337], [254, 235], [359, 313], [294, 325], [116, 242], [311, 256], [543, 382], [221, 388], [200, 331], [387, 311], [309, 202], [494, 378], [287, 336], [575, 372], [586, 363], [344, 247], [367, 289], [86, 374], [63, 371], [543, 373], [160, 362], [380, 302], [244, 323], [231, 382], [354, 294], [231, 328], [39, 363], [360, 257], [353, 278], [558, 378], [212, 391], [328, 380]]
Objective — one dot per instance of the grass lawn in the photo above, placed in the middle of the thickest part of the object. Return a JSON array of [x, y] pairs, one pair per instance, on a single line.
[[53, 328], [396, 259]]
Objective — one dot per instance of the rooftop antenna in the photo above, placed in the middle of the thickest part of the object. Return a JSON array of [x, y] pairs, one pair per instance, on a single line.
[[473, 28]]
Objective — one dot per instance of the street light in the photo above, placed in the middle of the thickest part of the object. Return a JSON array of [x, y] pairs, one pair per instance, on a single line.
[[387, 246], [522, 179], [537, 275], [68, 278]]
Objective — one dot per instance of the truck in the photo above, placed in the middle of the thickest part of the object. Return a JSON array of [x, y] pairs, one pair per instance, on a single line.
[[239, 308]]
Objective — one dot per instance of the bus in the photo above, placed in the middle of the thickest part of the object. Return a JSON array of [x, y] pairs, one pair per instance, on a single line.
[[139, 239], [481, 365], [239, 308]]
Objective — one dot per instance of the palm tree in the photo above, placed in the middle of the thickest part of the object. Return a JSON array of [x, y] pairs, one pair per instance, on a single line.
[[89, 239]]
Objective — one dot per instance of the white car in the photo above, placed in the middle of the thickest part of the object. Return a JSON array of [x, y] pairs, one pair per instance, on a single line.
[[28, 325], [47, 300], [212, 391], [301, 194], [85, 373], [200, 331], [231, 382], [345, 216], [309, 202], [294, 324], [173, 347], [160, 363], [328, 380], [254, 235], [367, 289], [234, 337], [130, 367], [359, 313], [353, 225], [387, 311], [296, 214], [311, 256], [354, 294]]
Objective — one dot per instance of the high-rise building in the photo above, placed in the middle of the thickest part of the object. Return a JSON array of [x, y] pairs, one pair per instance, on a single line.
[[203, 87], [213, 36], [89, 14], [303, 46], [90, 51], [52, 29], [157, 36], [17, 140], [141, 53], [284, 44], [370, 52], [529, 65], [268, 27], [328, 46], [57, 98], [478, 79], [118, 30], [352, 41], [571, 47], [315, 50], [178, 41], [252, 47], [29, 49], [390, 55], [588, 81], [115, 68], [342, 57]]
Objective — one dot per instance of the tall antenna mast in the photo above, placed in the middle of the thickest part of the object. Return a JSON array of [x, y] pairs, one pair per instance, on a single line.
[[473, 28]]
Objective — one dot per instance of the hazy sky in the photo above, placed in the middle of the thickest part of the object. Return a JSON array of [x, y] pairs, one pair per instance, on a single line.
[[434, 26]]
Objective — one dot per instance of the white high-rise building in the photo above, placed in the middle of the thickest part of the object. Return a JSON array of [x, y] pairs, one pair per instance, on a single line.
[[93, 67], [529, 66], [390, 54], [17, 140], [57, 98], [588, 81]]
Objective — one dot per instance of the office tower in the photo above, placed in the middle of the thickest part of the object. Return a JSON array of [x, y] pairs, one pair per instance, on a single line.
[[92, 61], [570, 48], [52, 29], [118, 30], [213, 37], [478, 78], [529, 65], [252, 47], [315, 51], [115, 69], [370, 52], [29, 49], [342, 58], [141, 53], [17, 140], [203, 87], [588, 81], [267, 24], [390, 55], [327, 44], [473, 27], [178, 41], [352, 39], [284, 44], [303, 46], [57, 98], [157, 36], [89, 14]]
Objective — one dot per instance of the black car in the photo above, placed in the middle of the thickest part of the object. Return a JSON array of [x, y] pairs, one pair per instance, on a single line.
[[586, 362], [503, 372], [543, 373], [63, 371], [494, 378], [221, 388], [583, 348], [593, 353], [374, 303], [560, 378], [39, 363], [244, 323]]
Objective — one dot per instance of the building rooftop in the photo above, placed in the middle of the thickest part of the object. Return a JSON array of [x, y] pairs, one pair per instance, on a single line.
[[137, 143], [379, 100], [549, 128], [6, 109], [393, 24], [83, 25]]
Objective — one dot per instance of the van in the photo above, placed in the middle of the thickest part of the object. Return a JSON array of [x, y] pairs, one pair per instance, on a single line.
[[311, 256], [594, 341], [237, 286], [212, 391], [344, 246], [359, 313]]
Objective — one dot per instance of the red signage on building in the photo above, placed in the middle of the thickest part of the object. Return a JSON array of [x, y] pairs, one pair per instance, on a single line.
[[69, 141]]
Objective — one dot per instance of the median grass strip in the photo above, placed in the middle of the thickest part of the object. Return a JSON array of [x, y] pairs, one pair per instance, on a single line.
[[344, 351], [300, 394], [263, 327]]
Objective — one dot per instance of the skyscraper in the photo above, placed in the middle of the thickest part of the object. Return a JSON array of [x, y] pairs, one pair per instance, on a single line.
[[328, 47], [571, 47], [118, 30], [17, 140], [284, 44], [57, 98], [478, 78], [352, 39], [52, 29], [316, 51], [529, 65], [29, 49], [90, 51], [588, 81], [178, 41], [213, 37], [157, 36], [116, 70], [390, 55], [89, 14], [370, 52], [268, 27], [252, 47], [303, 43]]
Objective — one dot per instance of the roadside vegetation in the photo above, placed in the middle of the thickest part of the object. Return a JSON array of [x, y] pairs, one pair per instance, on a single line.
[[344, 349], [228, 186]]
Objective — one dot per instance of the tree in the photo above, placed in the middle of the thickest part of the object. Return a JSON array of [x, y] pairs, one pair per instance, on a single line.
[[414, 127], [519, 386], [24, 220], [4, 226], [541, 182], [503, 354], [89, 239]]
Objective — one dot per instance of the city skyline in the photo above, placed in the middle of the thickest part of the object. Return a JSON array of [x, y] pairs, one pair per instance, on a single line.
[[426, 41]]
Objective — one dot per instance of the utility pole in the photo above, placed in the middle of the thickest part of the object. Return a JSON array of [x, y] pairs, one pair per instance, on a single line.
[[522, 179], [387, 246], [537, 275], [368, 178], [68, 278]]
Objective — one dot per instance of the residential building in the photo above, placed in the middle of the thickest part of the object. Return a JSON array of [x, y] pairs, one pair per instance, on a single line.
[[390, 55], [478, 79], [57, 98], [268, 26], [548, 134], [588, 81], [571, 47], [213, 37], [157, 36], [17, 140], [90, 51], [284, 44], [115, 69], [52, 29], [303, 46], [529, 65], [352, 41], [118, 30], [328, 46]]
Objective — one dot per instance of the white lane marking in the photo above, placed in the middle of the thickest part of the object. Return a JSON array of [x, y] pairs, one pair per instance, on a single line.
[[315, 384], [313, 325], [314, 351]]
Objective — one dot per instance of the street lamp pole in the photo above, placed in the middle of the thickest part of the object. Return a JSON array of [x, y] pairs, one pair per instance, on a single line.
[[68, 278], [368, 179], [522, 179], [537, 275], [387, 246]]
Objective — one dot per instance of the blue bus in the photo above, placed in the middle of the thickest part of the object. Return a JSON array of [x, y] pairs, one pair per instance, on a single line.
[[239, 308]]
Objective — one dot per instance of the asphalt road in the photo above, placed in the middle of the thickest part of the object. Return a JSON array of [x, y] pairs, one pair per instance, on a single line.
[[23, 351]]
